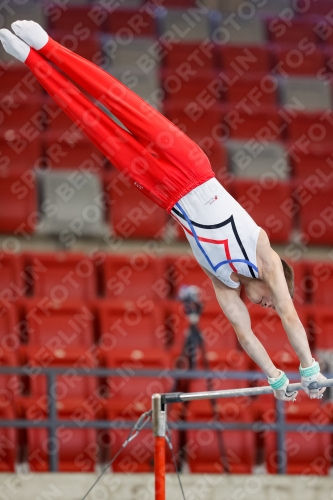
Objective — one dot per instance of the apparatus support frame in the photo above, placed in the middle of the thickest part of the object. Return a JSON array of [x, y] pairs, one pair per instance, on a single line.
[[160, 401], [159, 430]]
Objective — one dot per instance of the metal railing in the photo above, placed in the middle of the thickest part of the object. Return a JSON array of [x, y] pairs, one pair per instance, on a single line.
[[52, 422]]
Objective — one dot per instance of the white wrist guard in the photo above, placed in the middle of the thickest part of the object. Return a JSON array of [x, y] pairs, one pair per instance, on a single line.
[[310, 373], [280, 383]]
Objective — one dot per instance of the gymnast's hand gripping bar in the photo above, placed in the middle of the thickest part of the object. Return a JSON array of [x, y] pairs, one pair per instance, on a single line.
[[177, 397]]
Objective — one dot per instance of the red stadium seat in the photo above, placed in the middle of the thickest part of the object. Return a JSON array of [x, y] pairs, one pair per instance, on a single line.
[[285, 360], [217, 155], [316, 215], [216, 329], [131, 214], [290, 60], [222, 359], [322, 323], [61, 126], [192, 119], [18, 153], [304, 455], [71, 151], [323, 28], [8, 442], [9, 332], [77, 448], [133, 277], [253, 89], [138, 389], [239, 445], [58, 325], [78, 20], [265, 206], [291, 31], [61, 276], [185, 270], [198, 86], [189, 56], [12, 286], [319, 284], [243, 59], [320, 7], [139, 454], [131, 21], [247, 123], [20, 78], [126, 324], [314, 160], [18, 110], [18, 202], [310, 126], [76, 387], [219, 384], [176, 3], [267, 326], [10, 385]]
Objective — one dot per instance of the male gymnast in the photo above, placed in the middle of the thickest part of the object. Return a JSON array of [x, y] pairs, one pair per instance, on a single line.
[[175, 173]]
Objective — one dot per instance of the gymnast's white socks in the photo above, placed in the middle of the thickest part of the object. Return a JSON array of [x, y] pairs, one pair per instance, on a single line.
[[14, 46], [29, 34], [32, 33]]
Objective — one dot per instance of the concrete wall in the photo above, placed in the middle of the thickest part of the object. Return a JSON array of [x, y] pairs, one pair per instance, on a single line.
[[141, 487]]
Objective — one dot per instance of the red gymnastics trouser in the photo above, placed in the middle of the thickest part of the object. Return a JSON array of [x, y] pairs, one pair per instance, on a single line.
[[157, 157]]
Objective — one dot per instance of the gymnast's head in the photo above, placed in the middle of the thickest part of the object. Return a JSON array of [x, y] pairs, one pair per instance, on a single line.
[[258, 292], [289, 275]]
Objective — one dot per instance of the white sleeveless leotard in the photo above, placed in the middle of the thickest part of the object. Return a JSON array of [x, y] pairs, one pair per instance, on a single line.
[[222, 235]]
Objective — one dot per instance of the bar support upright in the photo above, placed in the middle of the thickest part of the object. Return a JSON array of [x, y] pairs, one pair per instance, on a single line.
[[159, 429], [53, 442]]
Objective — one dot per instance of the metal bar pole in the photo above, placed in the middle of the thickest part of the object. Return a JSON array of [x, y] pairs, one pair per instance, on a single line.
[[52, 431], [280, 437], [233, 393], [159, 429]]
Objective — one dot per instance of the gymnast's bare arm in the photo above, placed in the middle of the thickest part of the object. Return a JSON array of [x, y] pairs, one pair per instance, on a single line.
[[271, 272], [238, 315]]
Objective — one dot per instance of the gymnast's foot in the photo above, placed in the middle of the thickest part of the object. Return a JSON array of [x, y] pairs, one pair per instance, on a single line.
[[32, 33], [13, 45]]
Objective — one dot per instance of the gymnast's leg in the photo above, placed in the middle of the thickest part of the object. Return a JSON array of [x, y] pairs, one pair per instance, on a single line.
[[119, 146], [143, 121]]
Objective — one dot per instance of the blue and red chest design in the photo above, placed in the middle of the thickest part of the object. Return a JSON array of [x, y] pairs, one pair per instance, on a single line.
[[201, 241]]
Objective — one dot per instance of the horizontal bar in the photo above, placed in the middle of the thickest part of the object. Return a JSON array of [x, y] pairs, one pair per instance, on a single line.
[[257, 426], [178, 397], [176, 374], [69, 424]]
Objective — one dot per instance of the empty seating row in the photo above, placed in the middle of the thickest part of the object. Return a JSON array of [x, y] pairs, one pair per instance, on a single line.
[[143, 22], [53, 334], [23, 120], [68, 275], [80, 450], [249, 66], [254, 160], [188, 59], [72, 205], [77, 153], [249, 93], [264, 123], [136, 277]]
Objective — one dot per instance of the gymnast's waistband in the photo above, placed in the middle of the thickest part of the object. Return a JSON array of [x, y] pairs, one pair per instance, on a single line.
[[192, 185]]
